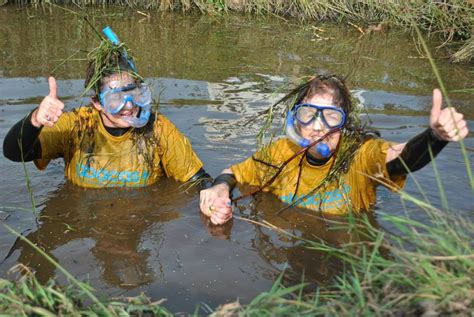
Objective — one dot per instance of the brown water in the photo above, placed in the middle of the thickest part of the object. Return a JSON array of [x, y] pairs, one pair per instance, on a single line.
[[213, 72]]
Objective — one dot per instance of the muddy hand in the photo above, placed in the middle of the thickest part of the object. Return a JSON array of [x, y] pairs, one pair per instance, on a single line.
[[215, 203], [447, 124], [50, 109], [221, 211]]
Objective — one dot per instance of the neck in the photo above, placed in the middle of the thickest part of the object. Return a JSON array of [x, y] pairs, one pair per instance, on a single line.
[[116, 131], [316, 161]]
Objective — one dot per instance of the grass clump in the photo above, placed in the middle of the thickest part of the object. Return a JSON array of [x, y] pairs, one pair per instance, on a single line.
[[450, 22], [422, 268], [27, 297]]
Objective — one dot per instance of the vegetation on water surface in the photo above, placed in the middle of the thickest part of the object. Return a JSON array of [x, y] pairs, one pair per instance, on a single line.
[[451, 22]]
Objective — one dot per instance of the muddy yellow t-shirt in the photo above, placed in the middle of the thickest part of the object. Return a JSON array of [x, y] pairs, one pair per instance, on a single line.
[[357, 189], [95, 158]]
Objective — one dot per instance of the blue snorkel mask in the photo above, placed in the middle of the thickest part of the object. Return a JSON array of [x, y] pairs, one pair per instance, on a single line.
[[305, 114], [114, 100]]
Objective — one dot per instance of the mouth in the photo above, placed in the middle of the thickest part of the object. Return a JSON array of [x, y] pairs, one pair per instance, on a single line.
[[315, 137], [129, 112]]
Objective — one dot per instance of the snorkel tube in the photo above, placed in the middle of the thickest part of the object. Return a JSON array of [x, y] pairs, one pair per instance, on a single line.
[[145, 110], [290, 130], [113, 38]]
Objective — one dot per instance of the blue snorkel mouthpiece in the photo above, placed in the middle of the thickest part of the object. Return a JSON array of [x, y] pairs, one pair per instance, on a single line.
[[323, 149]]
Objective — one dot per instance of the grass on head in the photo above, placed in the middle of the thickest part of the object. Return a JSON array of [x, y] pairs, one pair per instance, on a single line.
[[105, 60]]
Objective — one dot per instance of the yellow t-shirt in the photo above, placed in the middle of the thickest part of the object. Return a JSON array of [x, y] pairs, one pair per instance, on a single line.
[[357, 190], [94, 158]]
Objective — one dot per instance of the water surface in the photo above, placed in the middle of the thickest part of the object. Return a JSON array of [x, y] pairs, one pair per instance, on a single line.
[[210, 74]]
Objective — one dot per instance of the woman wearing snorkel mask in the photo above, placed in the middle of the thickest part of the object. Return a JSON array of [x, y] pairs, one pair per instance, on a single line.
[[328, 161], [117, 141]]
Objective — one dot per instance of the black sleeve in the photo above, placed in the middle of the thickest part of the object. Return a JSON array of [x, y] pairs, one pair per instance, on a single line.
[[202, 179], [416, 153], [22, 137], [228, 179]]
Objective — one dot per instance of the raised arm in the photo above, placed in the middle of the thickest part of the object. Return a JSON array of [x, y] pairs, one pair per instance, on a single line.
[[445, 125], [21, 142]]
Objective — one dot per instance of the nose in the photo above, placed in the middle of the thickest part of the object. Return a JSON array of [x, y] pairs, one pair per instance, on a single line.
[[318, 124], [128, 104]]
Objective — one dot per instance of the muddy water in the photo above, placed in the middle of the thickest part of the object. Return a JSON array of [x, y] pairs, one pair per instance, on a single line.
[[211, 74]]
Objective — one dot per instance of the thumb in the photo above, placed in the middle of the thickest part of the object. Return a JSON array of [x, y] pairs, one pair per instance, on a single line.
[[53, 88], [436, 108]]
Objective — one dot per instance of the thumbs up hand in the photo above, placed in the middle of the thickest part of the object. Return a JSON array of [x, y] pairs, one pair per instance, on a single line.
[[447, 124], [50, 109]]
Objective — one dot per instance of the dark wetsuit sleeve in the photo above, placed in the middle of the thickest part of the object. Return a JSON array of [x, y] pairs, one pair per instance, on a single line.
[[228, 179], [202, 178], [416, 153], [22, 138]]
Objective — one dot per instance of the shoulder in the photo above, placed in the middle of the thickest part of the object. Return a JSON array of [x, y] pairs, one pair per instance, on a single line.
[[372, 152], [375, 145], [82, 115], [278, 151], [162, 122], [164, 129], [76, 118], [284, 146], [84, 112]]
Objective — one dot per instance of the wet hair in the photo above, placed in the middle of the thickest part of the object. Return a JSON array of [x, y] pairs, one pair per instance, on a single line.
[[332, 85], [97, 71], [322, 85]]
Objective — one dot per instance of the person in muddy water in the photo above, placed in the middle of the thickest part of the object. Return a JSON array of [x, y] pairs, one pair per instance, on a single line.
[[328, 161], [116, 141]]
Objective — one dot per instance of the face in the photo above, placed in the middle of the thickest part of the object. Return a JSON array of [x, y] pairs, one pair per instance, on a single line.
[[317, 129], [129, 110]]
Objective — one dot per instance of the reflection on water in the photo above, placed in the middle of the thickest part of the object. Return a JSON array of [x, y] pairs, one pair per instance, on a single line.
[[290, 252], [210, 77], [107, 225]]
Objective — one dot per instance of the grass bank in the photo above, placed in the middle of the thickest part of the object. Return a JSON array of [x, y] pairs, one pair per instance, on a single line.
[[27, 297], [450, 22], [424, 269]]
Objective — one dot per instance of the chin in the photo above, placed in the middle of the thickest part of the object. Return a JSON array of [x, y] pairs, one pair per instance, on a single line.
[[120, 123], [124, 124]]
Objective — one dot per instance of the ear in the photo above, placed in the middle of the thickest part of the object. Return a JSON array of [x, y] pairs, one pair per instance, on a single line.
[[95, 102]]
